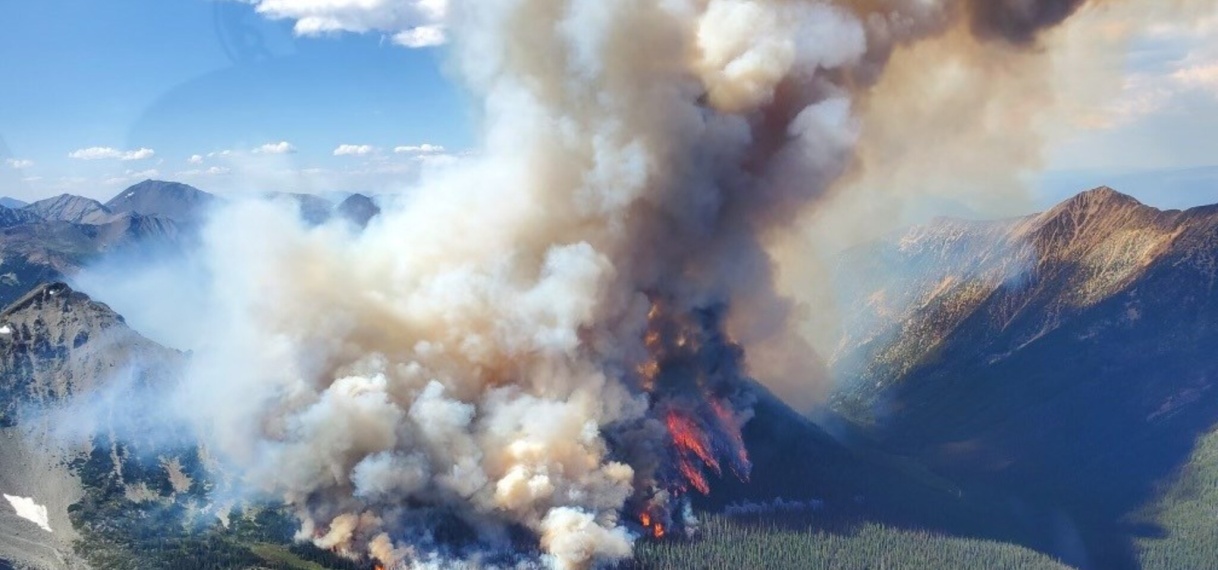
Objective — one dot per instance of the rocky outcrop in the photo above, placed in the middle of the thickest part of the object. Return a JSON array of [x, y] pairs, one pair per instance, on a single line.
[[69, 208], [56, 343]]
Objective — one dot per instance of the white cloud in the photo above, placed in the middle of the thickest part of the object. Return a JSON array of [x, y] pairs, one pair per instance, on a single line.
[[105, 152], [220, 153], [354, 150], [195, 159], [1185, 64], [413, 23], [281, 147], [132, 176], [140, 154], [1141, 95], [419, 149], [19, 163], [1200, 76], [421, 37], [210, 171]]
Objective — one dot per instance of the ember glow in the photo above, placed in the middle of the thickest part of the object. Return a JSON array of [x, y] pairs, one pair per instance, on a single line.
[[654, 527], [694, 376], [549, 336], [692, 450]]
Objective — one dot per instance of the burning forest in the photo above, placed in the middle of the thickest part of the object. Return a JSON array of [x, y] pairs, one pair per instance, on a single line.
[[547, 344]]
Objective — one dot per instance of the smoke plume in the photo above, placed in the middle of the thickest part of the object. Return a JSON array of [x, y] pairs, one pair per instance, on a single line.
[[1019, 21], [548, 339]]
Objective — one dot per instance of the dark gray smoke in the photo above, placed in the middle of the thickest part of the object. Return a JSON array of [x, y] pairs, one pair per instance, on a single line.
[[552, 335], [1019, 21]]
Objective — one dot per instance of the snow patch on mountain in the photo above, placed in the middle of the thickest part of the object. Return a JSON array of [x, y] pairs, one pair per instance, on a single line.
[[31, 511]]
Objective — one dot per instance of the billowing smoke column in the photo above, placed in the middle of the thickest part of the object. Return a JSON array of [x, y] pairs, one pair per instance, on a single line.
[[545, 346]]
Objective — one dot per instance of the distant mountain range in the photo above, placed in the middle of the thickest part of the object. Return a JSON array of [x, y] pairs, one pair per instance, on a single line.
[[54, 238]]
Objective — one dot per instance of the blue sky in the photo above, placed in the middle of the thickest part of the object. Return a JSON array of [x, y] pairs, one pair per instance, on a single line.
[[325, 95], [172, 76]]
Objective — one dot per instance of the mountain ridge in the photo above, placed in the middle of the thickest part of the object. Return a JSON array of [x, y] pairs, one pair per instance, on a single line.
[[1059, 357], [173, 200], [71, 208]]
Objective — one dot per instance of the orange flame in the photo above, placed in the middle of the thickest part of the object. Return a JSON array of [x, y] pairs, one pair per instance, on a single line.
[[656, 528], [729, 419], [691, 447], [703, 427], [649, 371]]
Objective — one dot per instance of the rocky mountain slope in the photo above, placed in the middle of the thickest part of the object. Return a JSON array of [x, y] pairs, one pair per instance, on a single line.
[[10, 217], [69, 208], [1066, 359], [173, 200], [53, 239], [37, 251], [59, 348], [56, 343]]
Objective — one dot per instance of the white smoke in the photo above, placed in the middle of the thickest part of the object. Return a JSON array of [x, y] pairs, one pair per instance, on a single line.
[[477, 353]]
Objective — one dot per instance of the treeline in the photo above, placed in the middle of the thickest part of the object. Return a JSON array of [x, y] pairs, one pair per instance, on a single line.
[[168, 530], [782, 541], [1181, 526]]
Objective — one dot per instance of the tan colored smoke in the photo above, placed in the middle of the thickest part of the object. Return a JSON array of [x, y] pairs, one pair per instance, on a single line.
[[472, 355], [959, 125]]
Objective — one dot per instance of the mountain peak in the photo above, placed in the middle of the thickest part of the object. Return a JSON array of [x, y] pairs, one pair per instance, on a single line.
[[172, 200], [1099, 198], [359, 209], [1098, 208], [71, 208], [59, 293]]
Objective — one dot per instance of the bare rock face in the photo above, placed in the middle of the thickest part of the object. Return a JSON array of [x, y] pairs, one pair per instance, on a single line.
[[10, 217], [58, 347], [35, 468], [69, 208], [56, 343], [179, 202]]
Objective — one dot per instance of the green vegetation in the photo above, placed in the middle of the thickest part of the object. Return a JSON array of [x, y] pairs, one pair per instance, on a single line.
[[283, 558], [167, 530], [791, 540], [1186, 515]]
